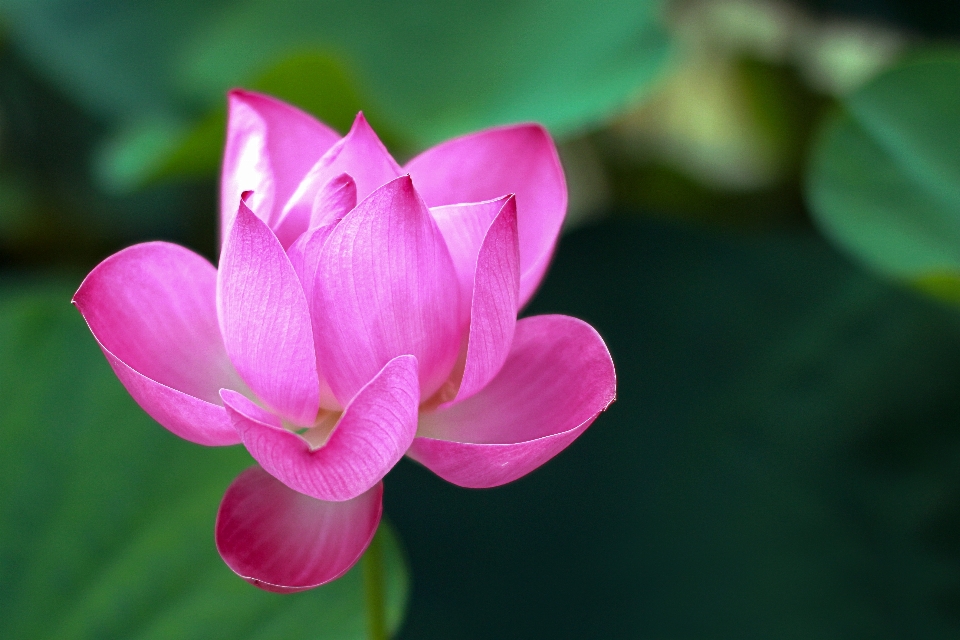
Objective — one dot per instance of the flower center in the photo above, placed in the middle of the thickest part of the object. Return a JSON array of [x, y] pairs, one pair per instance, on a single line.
[[317, 435]]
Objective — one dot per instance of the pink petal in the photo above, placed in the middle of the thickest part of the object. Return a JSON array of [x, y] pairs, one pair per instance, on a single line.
[[270, 147], [284, 541], [332, 202], [335, 200], [556, 380], [183, 415], [386, 286], [464, 227], [265, 320], [518, 159], [360, 154], [152, 308], [375, 430], [493, 313], [304, 255]]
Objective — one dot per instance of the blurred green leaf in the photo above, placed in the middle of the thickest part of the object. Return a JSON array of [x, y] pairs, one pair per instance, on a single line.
[[439, 68], [884, 179], [156, 149], [106, 520], [115, 57], [444, 68]]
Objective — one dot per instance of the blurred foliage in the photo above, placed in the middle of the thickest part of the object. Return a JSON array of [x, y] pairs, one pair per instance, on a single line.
[[106, 520], [885, 178], [723, 143], [52, 211], [440, 68]]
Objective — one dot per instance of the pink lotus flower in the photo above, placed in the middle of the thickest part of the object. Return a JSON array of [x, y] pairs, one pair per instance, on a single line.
[[361, 311]]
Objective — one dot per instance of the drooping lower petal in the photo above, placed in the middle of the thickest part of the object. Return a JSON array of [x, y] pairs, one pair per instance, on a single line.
[[283, 541], [519, 159], [270, 148], [558, 377], [386, 286], [265, 320], [360, 155], [493, 309], [152, 308], [373, 433]]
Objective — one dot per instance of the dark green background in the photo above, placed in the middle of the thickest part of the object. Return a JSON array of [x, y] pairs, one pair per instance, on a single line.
[[782, 461]]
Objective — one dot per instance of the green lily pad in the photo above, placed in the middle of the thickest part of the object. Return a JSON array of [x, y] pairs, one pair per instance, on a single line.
[[884, 179], [106, 519]]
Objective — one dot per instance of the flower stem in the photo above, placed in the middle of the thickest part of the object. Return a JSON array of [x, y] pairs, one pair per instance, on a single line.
[[373, 583]]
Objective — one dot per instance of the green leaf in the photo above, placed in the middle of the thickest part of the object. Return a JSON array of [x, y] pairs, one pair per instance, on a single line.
[[115, 57], [438, 68], [884, 178], [106, 519], [445, 68]]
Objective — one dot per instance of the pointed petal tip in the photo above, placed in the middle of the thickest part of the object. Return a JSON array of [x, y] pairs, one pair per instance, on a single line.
[[238, 97], [234, 95], [342, 180], [240, 94]]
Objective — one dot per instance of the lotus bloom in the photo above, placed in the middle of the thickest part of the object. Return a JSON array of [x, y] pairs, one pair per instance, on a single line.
[[361, 311]]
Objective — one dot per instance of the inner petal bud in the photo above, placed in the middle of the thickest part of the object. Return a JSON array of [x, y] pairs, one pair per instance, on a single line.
[[318, 434]]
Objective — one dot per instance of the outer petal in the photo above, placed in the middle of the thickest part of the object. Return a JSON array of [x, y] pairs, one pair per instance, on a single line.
[[270, 147], [265, 320], [360, 154], [464, 226], [375, 430], [557, 379], [152, 309], [493, 311], [519, 159], [284, 541], [386, 286]]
